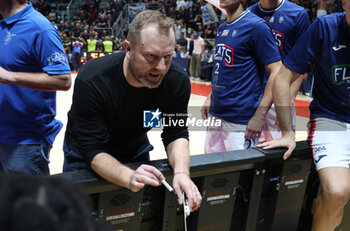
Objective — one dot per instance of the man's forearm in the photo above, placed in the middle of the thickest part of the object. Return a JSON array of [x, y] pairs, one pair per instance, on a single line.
[[36, 81], [179, 156], [294, 88], [112, 170], [282, 98], [267, 98]]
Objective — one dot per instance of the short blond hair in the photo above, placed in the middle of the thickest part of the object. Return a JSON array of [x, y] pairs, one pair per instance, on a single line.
[[149, 17]]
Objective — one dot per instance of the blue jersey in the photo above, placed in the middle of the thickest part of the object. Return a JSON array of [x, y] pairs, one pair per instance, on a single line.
[[288, 21], [242, 48], [326, 46], [29, 43]]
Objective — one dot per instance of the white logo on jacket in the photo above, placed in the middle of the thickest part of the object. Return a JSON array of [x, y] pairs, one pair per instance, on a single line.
[[339, 47], [8, 37]]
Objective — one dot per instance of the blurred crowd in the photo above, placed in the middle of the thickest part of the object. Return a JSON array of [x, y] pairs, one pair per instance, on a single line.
[[91, 25]]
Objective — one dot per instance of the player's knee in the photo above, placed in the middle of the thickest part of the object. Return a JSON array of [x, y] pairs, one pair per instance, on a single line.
[[337, 195]]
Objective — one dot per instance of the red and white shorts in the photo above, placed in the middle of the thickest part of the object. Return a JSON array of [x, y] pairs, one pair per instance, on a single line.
[[330, 142], [226, 137]]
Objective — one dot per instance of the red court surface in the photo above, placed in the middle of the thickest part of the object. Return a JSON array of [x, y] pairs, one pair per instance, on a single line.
[[203, 89]]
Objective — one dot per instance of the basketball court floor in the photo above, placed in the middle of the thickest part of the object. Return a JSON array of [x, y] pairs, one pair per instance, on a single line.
[[199, 92]]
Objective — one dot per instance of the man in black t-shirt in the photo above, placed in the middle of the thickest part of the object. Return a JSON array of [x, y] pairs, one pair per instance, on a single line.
[[105, 124], [182, 41]]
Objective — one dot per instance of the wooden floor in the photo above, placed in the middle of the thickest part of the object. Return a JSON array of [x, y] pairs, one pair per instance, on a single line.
[[199, 92]]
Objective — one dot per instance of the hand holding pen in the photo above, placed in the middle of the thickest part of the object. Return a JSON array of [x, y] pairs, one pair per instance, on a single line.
[[145, 174]]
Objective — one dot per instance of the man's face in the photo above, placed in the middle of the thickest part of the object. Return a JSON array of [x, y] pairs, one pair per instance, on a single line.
[[150, 58], [230, 5]]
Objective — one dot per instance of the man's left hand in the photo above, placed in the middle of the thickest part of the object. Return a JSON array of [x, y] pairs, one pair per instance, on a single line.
[[254, 127], [285, 142], [183, 183]]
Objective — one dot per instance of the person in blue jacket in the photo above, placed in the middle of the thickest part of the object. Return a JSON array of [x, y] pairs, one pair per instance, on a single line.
[[33, 65]]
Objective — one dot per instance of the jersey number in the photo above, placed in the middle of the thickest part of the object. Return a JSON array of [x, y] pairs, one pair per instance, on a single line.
[[279, 37]]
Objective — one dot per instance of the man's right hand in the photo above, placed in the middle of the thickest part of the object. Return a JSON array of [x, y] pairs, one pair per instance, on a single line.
[[205, 108], [145, 174], [287, 141]]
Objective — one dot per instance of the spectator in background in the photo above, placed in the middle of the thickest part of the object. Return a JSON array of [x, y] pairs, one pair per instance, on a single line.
[[321, 8], [77, 46], [108, 9], [171, 12], [102, 21], [177, 29], [67, 29], [140, 3], [78, 15], [190, 19], [54, 24], [84, 15], [198, 49], [110, 21], [188, 4], [200, 30], [180, 15], [181, 42], [107, 45], [85, 35], [33, 66], [77, 31], [60, 25], [93, 25], [44, 7], [180, 4], [52, 15], [209, 53], [119, 6], [100, 46], [103, 34], [101, 13], [208, 62], [116, 43], [209, 32], [91, 43], [184, 53], [67, 43], [92, 9]]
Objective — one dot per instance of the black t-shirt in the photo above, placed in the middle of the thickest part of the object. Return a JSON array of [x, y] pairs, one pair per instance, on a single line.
[[182, 42], [107, 112]]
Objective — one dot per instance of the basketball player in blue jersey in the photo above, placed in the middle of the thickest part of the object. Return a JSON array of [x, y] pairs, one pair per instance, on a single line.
[[288, 22], [325, 46], [245, 47]]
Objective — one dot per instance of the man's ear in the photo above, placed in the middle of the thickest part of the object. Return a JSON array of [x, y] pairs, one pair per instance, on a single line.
[[127, 46]]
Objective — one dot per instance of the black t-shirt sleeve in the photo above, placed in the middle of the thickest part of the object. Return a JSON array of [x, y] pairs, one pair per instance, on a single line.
[[87, 120], [178, 106]]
